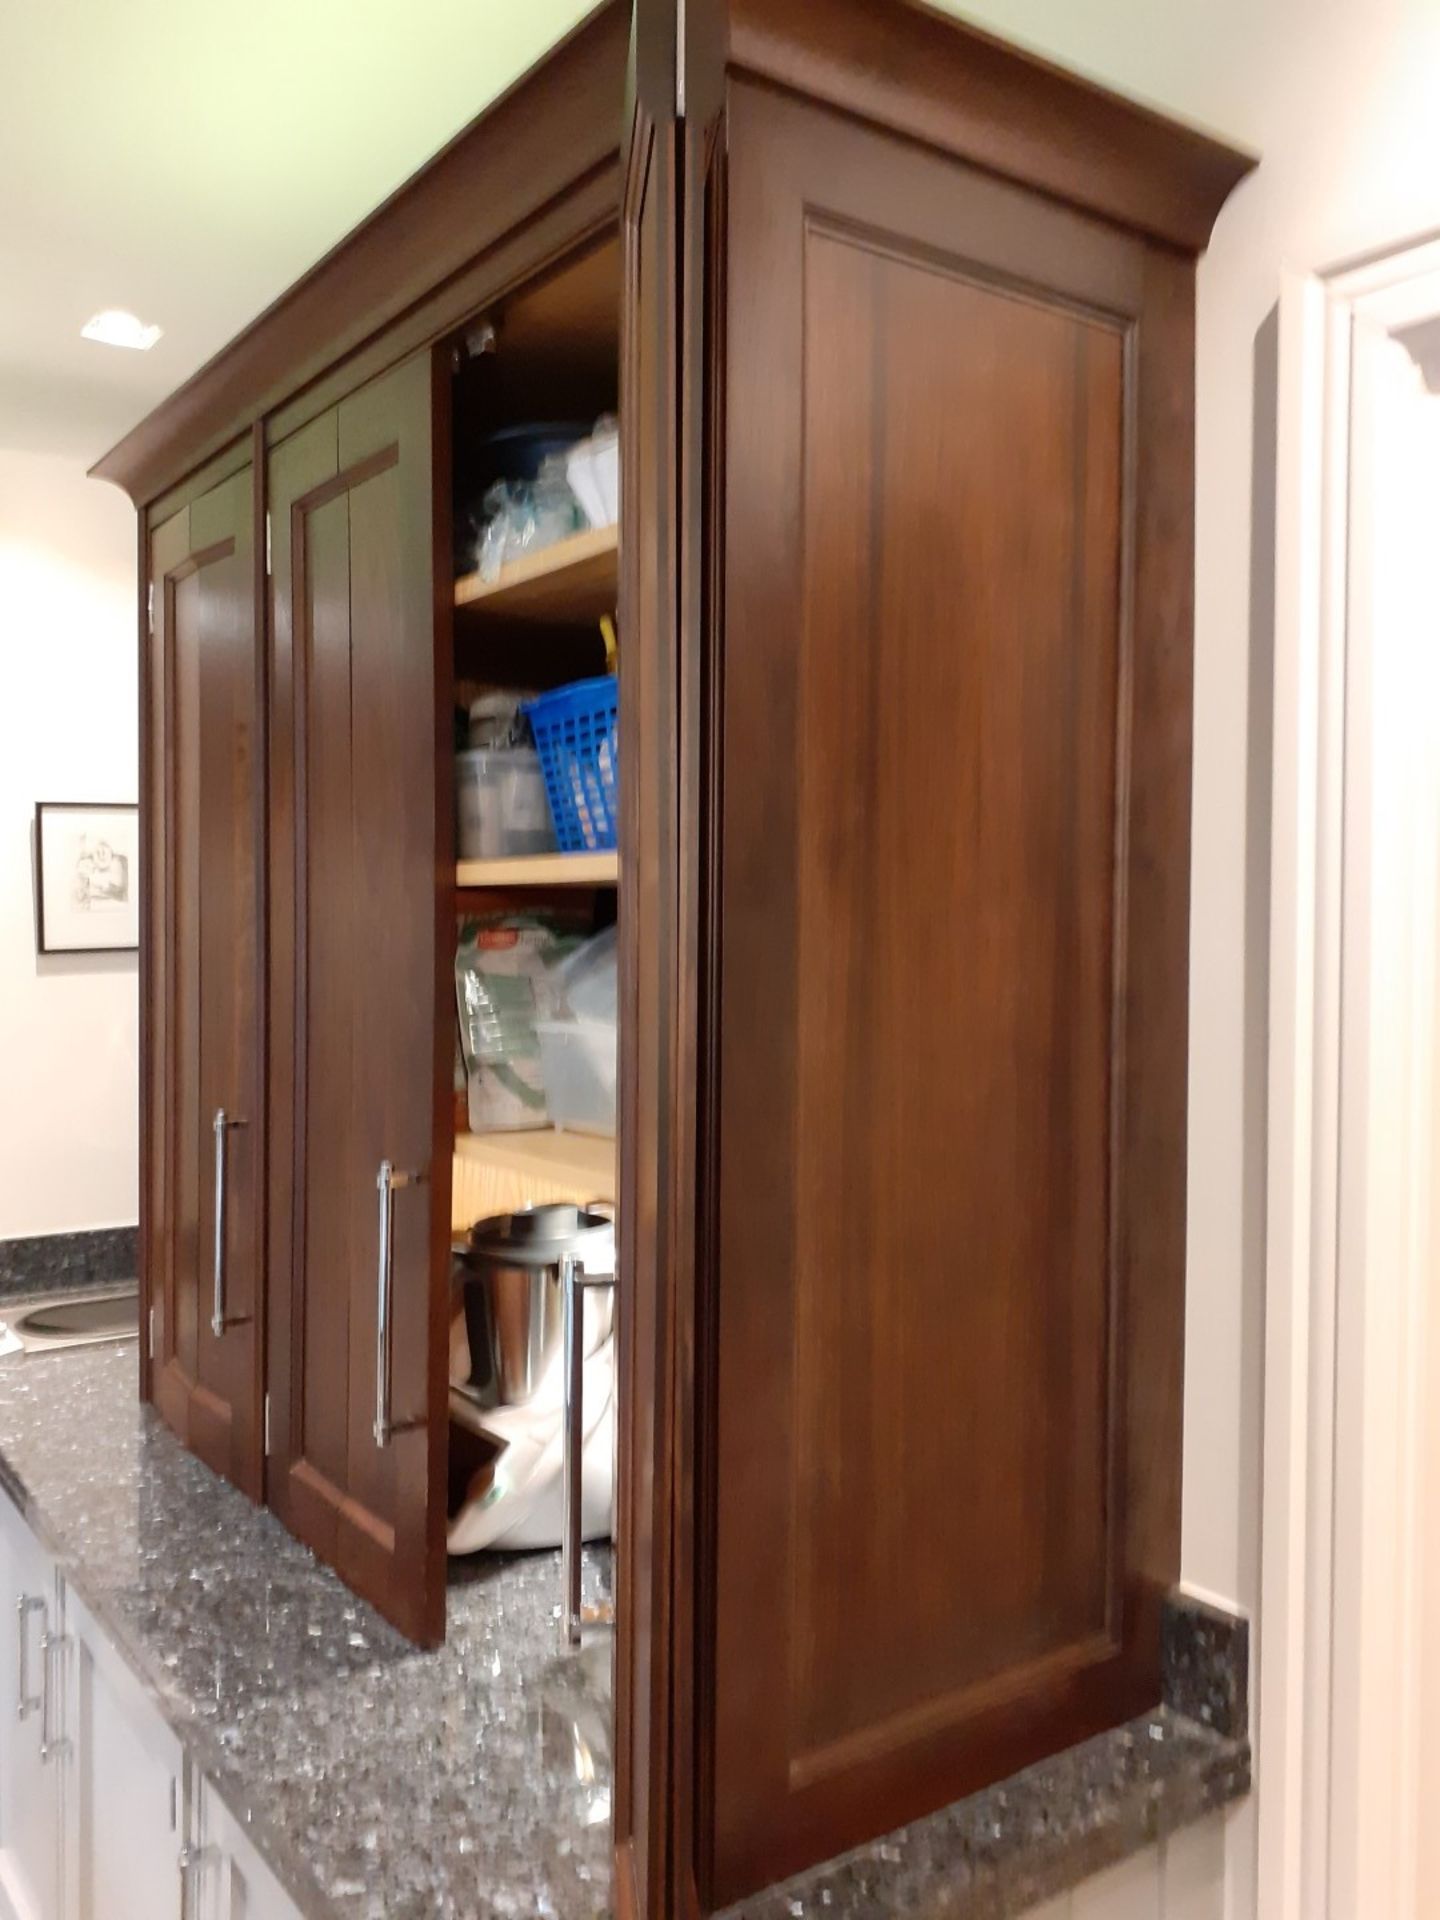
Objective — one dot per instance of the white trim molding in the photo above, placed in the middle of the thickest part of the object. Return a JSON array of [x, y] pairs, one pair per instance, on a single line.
[[1350, 1142]]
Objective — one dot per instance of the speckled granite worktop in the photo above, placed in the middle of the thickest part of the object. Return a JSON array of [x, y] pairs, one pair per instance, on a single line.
[[386, 1784], [380, 1783]]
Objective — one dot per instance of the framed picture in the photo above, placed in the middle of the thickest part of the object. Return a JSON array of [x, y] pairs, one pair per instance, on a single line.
[[87, 877]]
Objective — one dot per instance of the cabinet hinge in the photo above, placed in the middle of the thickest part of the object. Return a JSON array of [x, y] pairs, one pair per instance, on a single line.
[[267, 1426], [269, 568], [150, 1334], [150, 609]]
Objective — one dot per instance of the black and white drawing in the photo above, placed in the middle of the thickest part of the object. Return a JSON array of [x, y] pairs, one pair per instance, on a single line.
[[87, 877]]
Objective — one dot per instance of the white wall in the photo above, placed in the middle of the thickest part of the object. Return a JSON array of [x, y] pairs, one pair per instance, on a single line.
[[68, 1024]]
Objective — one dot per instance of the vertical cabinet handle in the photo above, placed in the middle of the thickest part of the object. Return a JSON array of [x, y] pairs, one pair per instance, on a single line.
[[50, 1743], [27, 1702], [222, 1125], [387, 1182], [192, 1862], [574, 1283]]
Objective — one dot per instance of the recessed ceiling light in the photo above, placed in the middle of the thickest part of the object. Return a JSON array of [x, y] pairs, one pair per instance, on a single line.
[[116, 328]]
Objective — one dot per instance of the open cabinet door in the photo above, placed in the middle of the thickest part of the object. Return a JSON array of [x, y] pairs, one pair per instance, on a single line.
[[649, 1149], [361, 940]]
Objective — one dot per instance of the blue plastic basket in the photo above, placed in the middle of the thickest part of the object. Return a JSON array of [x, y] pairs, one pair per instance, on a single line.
[[577, 735]]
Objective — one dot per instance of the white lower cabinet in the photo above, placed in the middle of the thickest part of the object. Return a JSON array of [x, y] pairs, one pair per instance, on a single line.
[[30, 1793], [123, 1786], [232, 1881], [102, 1814]]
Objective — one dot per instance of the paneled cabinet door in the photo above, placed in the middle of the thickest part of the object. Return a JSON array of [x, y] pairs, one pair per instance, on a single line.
[[930, 911], [232, 1881], [362, 1025], [123, 1779], [649, 1149], [203, 1116], [30, 1730]]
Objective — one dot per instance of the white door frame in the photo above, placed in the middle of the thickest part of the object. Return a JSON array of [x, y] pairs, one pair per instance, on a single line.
[[1352, 990]]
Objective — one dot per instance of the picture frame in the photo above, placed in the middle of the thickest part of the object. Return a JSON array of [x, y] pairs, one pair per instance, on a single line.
[[87, 876]]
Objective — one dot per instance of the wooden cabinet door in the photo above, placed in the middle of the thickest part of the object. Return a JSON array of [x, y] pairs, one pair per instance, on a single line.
[[650, 1151], [934, 661], [362, 1025], [30, 1727], [204, 1117]]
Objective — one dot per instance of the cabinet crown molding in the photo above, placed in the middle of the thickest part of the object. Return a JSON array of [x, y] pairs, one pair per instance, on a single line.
[[913, 70]]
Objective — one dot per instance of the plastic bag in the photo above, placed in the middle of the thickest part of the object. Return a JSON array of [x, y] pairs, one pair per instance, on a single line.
[[507, 976]]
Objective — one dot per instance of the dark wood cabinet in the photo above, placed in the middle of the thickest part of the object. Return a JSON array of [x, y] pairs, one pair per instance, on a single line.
[[936, 881], [906, 381], [203, 1085], [361, 1045]]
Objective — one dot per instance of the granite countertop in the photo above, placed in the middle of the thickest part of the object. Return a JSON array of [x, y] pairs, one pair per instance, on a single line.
[[382, 1783], [379, 1782]]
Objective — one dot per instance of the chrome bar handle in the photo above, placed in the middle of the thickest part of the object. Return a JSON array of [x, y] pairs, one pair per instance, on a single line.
[[574, 1283], [27, 1703], [222, 1125], [387, 1180], [50, 1745]]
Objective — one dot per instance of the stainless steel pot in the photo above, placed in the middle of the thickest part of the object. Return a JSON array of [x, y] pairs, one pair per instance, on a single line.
[[509, 1268]]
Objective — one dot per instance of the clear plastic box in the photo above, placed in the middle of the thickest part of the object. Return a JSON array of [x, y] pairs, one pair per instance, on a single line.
[[501, 811], [577, 1058]]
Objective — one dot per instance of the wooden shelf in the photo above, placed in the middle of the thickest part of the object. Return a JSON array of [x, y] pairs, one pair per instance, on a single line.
[[498, 1172], [547, 1152], [541, 870], [574, 581]]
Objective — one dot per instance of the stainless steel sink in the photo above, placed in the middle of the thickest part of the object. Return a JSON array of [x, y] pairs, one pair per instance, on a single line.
[[80, 1320]]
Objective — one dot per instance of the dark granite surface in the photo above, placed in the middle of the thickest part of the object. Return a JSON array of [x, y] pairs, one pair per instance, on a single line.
[[472, 1782], [1033, 1836], [377, 1781], [46, 1262], [1207, 1665]]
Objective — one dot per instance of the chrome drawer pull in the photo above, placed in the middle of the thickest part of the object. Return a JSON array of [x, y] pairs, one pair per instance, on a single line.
[[387, 1181], [222, 1125], [27, 1703], [50, 1745]]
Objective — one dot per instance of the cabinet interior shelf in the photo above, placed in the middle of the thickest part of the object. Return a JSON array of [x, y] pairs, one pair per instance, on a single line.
[[574, 581], [585, 1161], [541, 870]]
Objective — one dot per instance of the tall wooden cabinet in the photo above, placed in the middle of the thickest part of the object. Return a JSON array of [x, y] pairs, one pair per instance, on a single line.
[[906, 359]]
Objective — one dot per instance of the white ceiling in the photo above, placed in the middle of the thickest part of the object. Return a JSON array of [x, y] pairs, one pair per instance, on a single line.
[[188, 159]]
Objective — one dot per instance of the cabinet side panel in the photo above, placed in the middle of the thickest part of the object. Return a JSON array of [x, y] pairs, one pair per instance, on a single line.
[[942, 1493], [951, 946]]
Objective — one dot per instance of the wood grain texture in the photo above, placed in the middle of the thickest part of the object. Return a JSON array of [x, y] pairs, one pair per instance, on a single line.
[[496, 1173], [202, 787], [952, 953], [361, 863], [575, 580], [644, 1757], [495, 174], [945, 1321]]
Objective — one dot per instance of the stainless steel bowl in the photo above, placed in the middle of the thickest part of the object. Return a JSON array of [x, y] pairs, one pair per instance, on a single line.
[[509, 1270]]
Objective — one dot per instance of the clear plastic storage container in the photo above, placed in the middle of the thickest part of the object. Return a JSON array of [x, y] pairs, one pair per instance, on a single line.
[[577, 1058], [501, 811]]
